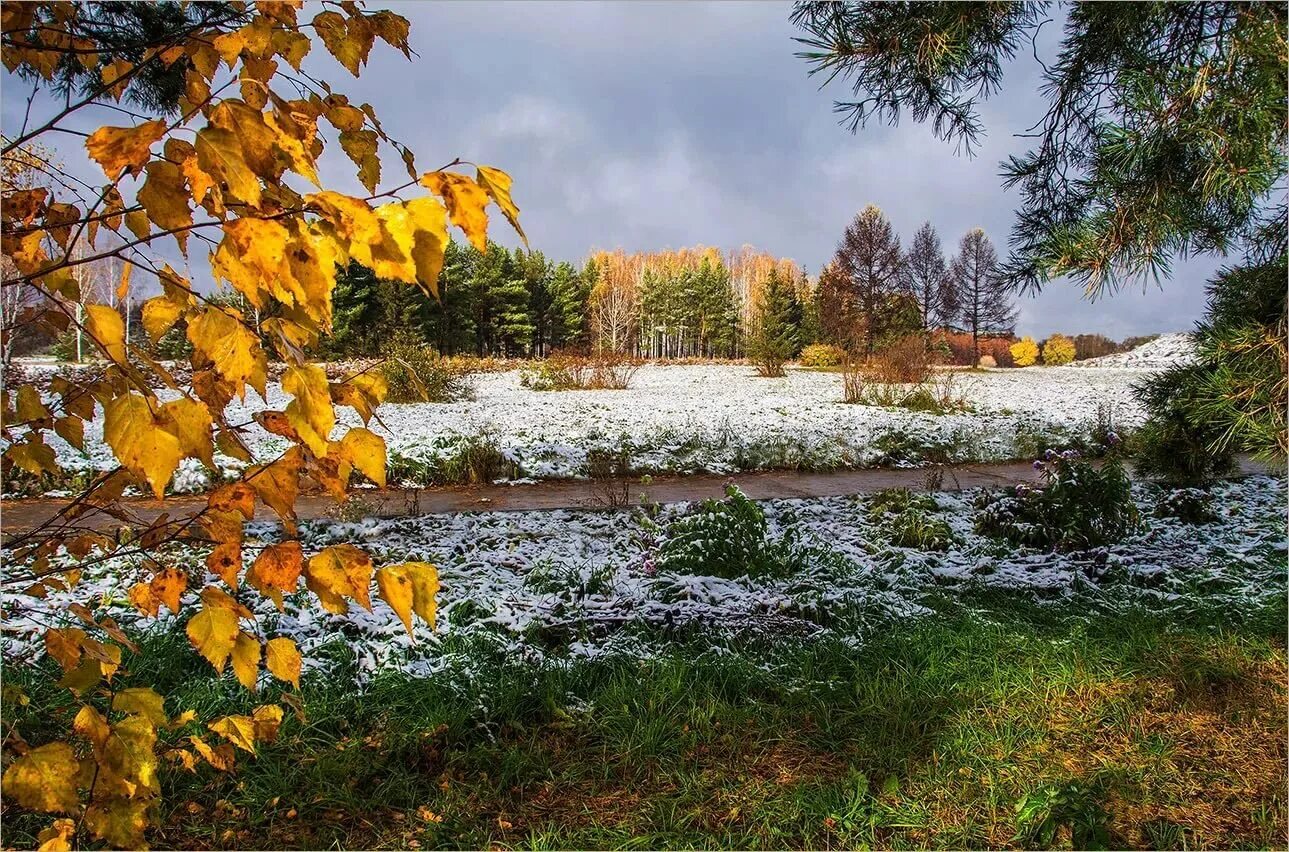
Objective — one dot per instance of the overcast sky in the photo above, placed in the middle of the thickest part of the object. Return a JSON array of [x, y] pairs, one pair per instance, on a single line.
[[649, 125]]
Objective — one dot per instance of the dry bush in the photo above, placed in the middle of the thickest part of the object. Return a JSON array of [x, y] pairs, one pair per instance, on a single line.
[[906, 361], [987, 362], [568, 370], [963, 354]]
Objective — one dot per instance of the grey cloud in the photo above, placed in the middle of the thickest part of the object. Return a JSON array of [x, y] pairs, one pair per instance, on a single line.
[[653, 124]]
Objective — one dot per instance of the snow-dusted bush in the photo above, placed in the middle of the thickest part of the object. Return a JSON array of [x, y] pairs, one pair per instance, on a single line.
[[1078, 506], [726, 538], [1188, 505]]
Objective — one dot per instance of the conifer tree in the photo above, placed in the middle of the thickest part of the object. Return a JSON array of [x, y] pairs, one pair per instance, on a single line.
[[776, 335], [984, 297]]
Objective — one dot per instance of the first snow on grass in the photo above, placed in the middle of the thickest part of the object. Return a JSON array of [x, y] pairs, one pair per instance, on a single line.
[[558, 585], [710, 418]]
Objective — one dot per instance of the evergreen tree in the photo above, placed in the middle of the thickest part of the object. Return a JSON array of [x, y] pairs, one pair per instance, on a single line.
[[450, 320], [502, 324], [355, 313], [777, 333], [537, 275], [569, 294]]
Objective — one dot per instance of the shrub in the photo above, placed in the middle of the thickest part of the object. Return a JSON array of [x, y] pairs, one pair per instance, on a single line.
[[904, 515], [987, 362], [603, 370], [1077, 507], [937, 393], [1188, 505], [725, 538], [906, 361], [1058, 350], [414, 372], [962, 352], [1024, 352], [822, 355]]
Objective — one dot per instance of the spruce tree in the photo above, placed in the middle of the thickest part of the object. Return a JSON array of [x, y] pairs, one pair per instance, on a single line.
[[776, 334]]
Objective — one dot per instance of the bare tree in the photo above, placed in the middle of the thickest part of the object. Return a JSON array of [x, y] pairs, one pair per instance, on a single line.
[[864, 279], [985, 298], [927, 278]]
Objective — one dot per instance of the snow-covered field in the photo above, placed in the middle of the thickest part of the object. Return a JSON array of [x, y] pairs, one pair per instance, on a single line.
[[555, 585], [716, 418]]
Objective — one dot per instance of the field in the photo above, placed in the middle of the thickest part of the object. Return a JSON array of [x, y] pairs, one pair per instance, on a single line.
[[868, 670], [713, 418]]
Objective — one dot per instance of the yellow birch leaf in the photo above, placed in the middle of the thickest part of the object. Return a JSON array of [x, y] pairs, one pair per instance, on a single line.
[[238, 730], [221, 757], [465, 201], [219, 154], [139, 223], [276, 570], [278, 483], [213, 632], [165, 198], [246, 659], [116, 148], [364, 393], [105, 325], [361, 146], [143, 700], [497, 184], [225, 561], [139, 441], [283, 660], [168, 586], [190, 422], [159, 314], [64, 645], [44, 779], [267, 718], [291, 46], [91, 725], [366, 451], [29, 405], [33, 455], [71, 430], [231, 347], [425, 589], [310, 412], [144, 600], [395, 588], [330, 26], [120, 822], [340, 571], [57, 837]]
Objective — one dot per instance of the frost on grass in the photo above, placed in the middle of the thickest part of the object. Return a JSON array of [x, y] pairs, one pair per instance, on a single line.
[[558, 585], [711, 418]]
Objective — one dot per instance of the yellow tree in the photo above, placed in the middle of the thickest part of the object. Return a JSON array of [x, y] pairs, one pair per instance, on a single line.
[[232, 176]]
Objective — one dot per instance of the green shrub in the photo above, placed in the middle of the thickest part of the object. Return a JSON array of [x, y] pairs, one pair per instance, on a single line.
[[904, 516], [1078, 506], [725, 538], [414, 372], [1188, 505], [1076, 806], [822, 355]]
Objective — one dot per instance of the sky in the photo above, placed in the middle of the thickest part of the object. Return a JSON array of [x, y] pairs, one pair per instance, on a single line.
[[651, 125]]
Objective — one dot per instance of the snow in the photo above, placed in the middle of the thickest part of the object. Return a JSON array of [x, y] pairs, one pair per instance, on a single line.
[[562, 584], [710, 418], [1165, 351]]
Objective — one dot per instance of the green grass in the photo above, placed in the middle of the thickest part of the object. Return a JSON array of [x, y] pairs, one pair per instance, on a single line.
[[930, 735]]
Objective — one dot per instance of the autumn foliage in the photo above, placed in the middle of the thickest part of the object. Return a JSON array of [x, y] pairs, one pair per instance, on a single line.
[[233, 176]]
